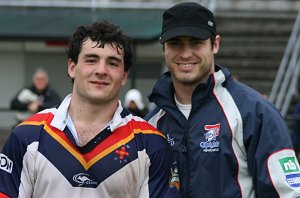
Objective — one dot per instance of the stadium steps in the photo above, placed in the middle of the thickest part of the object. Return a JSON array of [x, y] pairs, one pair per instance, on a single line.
[[253, 43]]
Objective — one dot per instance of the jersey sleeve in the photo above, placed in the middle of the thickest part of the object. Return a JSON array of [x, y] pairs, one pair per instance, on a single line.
[[159, 170], [14, 168]]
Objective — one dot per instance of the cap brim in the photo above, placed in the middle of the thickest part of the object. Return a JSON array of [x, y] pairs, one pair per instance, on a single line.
[[196, 32]]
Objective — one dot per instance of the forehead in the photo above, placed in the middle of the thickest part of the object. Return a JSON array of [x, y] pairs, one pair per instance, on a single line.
[[93, 46]]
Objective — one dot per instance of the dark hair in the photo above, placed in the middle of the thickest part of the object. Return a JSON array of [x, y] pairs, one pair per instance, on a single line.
[[212, 41], [102, 33]]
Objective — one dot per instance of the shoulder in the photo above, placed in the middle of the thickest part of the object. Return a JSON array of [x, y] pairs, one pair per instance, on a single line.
[[253, 108], [34, 124], [142, 127], [146, 134], [247, 97]]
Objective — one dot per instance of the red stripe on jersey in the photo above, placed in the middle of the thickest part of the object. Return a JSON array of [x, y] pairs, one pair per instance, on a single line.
[[47, 117], [3, 195], [119, 137]]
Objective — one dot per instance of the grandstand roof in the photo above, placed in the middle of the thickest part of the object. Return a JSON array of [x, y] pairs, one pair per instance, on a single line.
[[57, 24]]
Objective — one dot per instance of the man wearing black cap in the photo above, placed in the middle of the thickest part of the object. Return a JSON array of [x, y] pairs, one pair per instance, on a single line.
[[227, 140]]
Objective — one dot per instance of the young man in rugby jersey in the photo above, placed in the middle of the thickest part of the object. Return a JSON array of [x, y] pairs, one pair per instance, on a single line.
[[89, 146]]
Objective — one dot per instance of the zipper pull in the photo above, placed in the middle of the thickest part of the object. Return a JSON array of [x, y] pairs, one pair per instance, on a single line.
[[184, 149]]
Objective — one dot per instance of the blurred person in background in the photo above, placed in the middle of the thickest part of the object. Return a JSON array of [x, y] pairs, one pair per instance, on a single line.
[[227, 139], [36, 97], [88, 146], [134, 103]]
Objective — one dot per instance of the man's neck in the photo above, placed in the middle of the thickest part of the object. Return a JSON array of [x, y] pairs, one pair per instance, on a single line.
[[184, 93], [89, 119]]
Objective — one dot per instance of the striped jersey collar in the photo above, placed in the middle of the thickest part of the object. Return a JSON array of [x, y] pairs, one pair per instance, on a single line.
[[61, 115]]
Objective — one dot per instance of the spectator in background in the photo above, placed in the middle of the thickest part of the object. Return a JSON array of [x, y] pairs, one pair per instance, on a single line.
[[227, 140], [134, 103], [35, 97]]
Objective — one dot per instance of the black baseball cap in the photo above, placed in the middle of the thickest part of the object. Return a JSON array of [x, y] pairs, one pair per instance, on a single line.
[[188, 19]]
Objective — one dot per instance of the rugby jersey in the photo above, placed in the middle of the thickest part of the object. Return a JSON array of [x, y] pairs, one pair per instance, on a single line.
[[129, 158]]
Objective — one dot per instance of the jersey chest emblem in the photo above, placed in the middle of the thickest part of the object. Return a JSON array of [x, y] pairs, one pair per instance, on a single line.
[[122, 153], [211, 143]]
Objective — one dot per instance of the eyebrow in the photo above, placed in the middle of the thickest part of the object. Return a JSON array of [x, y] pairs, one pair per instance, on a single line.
[[91, 56], [97, 56], [114, 58]]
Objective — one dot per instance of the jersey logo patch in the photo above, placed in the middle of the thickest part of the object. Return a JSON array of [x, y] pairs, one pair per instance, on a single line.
[[83, 179], [291, 171], [211, 144], [5, 163], [122, 154]]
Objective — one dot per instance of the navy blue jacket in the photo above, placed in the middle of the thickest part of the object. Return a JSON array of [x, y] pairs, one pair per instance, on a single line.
[[234, 144]]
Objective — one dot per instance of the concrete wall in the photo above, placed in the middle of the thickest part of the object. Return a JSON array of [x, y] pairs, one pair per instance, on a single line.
[[12, 69], [18, 60]]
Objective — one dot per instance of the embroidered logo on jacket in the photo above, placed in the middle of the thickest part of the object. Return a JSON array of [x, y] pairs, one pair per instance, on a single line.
[[291, 171], [174, 178], [211, 144], [170, 140], [5, 163], [83, 179]]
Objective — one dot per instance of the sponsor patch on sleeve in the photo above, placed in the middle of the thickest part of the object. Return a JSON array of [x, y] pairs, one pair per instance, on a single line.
[[284, 173], [291, 170], [5, 163]]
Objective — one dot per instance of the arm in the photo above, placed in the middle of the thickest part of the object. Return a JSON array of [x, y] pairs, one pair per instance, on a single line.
[[22, 100], [271, 159], [14, 166], [15, 104], [157, 184]]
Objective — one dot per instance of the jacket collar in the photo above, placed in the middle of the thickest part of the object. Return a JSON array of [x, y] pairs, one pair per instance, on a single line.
[[163, 91]]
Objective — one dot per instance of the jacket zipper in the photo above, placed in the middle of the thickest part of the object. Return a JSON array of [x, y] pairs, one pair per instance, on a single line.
[[185, 150]]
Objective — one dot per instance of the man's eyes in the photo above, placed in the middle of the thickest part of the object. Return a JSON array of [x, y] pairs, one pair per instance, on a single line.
[[173, 43], [196, 42], [113, 63], [91, 60]]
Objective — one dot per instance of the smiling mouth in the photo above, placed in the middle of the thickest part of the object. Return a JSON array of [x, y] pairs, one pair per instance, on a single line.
[[99, 83], [186, 67], [185, 64]]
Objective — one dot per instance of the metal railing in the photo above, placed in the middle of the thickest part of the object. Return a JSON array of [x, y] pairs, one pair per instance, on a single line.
[[285, 84]]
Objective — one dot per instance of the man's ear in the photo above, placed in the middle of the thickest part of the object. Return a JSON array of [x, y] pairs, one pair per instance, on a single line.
[[71, 68], [216, 44], [125, 77]]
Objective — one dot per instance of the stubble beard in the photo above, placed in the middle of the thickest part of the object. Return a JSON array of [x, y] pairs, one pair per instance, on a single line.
[[194, 79]]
